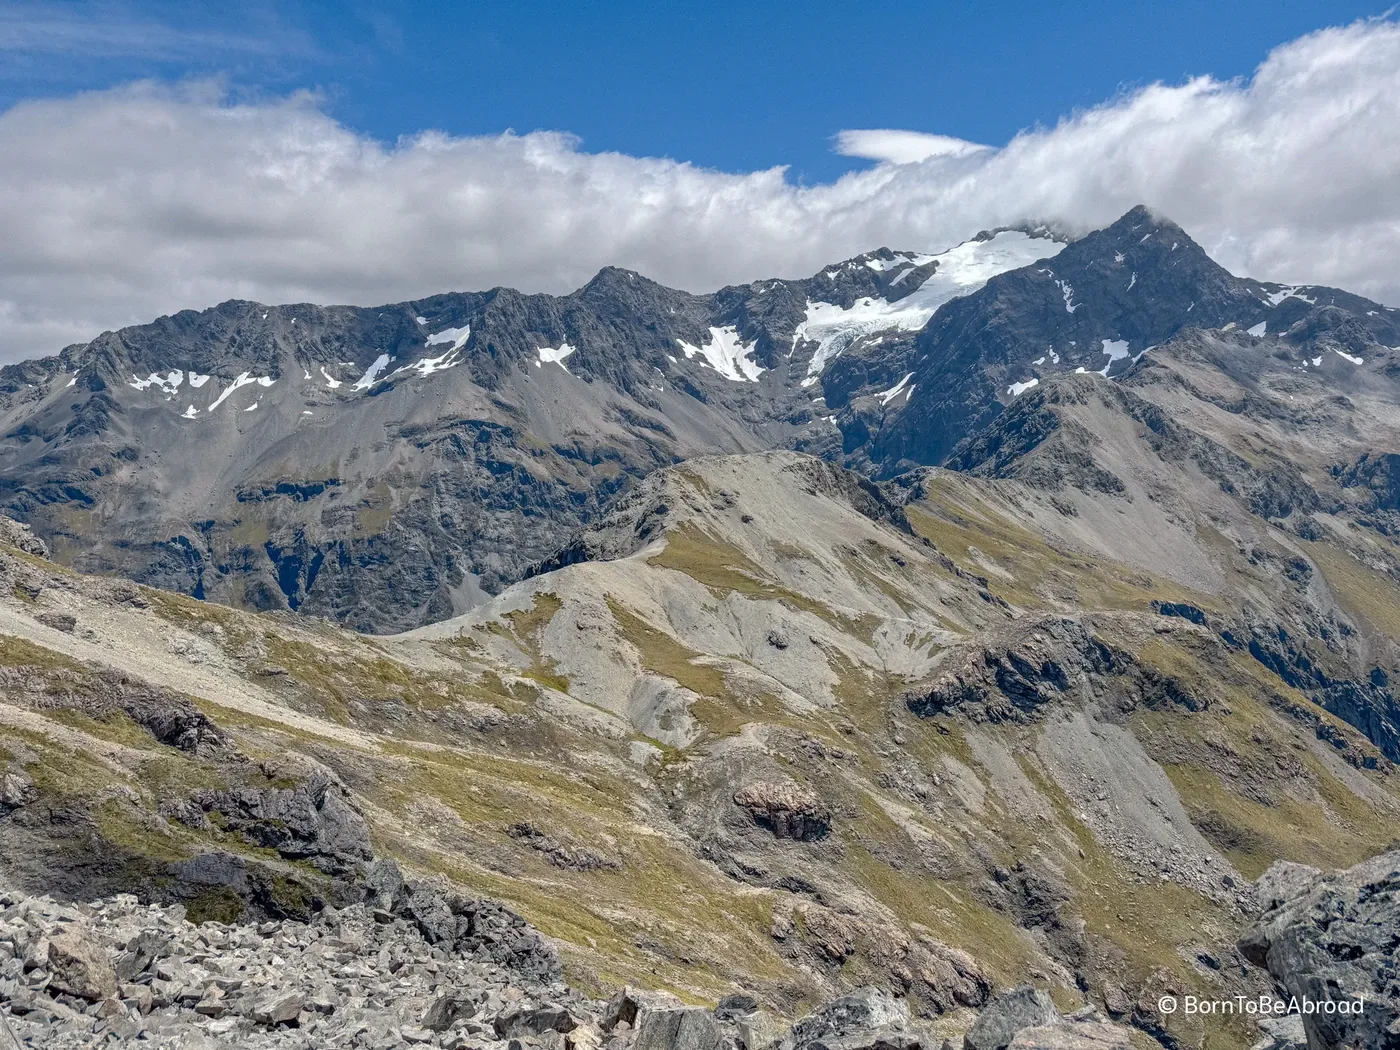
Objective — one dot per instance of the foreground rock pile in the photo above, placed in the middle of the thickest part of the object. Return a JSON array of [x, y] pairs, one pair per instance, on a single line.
[[120, 973]]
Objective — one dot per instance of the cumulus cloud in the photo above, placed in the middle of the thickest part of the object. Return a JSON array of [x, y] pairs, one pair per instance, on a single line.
[[118, 206]]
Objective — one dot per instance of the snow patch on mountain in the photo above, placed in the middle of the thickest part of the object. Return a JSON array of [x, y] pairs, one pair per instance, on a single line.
[[456, 336], [244, 379], [1283, 293], [886, 396], [959, 271], [1259, 329], [727, 354], [1115, 349], [547, 355], [900, 259], [1017, 389], [371, 375], [169, 383]]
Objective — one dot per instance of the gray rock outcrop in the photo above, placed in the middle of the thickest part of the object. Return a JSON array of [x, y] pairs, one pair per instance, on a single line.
[[786, 809], [1329, 941], [1023, 1007]]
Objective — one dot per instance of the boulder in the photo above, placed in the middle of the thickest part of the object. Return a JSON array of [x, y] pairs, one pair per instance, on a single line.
[[755, 1031], [1089, 1032], [59, 621], [535, 1020], [279, 1009], [81, 967], [384, 885], [1007, 1014], [734, 1006], [7, 1037], [864, 1010], [141, 951], [21, 537], [16, 791], [446, 1011], [678, 1028], [1282, 1033], [1329, 940], [628, 1004]]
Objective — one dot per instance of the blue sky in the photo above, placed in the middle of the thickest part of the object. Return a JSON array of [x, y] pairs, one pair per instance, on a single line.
[[733, 86]]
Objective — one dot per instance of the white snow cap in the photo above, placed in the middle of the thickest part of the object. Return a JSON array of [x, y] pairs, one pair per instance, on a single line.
[[960, 271]]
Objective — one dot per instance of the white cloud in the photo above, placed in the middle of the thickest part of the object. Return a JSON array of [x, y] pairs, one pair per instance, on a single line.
[[118, 206], [902, 147]]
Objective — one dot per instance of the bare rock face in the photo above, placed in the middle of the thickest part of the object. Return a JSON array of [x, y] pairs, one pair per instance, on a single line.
[[786, 809], [1023, 1007], [21, 537], [80, 966], [1330, 941], [1039, 663], [16, 791], [1088, 1032], [313, 821]]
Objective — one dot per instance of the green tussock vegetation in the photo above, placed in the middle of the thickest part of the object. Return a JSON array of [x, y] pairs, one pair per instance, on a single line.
[[661, 654], [19, 652], [1041, 575], [1336, 830], [527, 628], [215, 904], [1366, 593], [121, 827], [114, 726], [1147, 921], [724, 568]]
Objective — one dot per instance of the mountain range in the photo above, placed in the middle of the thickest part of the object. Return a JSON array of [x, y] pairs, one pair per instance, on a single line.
[[285, 457], [938, 623]]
